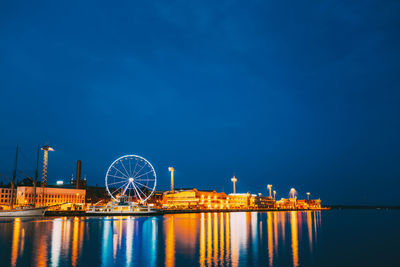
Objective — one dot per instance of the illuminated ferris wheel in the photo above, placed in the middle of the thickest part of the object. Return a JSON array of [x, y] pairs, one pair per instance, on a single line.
[[131, 178]]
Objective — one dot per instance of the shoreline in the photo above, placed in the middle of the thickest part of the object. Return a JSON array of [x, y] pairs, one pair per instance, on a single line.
[[164, 212]]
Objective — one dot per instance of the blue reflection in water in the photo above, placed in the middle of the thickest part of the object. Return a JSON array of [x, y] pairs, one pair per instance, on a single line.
[[106, 251]]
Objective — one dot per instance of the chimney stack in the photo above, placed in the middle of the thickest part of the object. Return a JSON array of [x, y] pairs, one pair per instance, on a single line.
[[78, 174]]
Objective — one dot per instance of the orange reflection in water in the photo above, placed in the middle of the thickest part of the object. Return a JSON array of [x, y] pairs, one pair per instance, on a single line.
[[309, 229], [75, 242], [295, 244], [202, 241], [15, 241], [221, 238], [270, 239], [41, 252], [170, 243], [275, 233], [227, 236], [215, 240]]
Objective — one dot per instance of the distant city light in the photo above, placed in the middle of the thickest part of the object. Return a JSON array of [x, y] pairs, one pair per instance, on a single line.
[[60, 182]]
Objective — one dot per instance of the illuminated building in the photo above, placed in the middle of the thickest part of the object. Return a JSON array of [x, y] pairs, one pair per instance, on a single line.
[[262, 202], [239, 201], [210, 199], [194, 199], [180, 199], [5, 197], [286, 203], [314, 204], [52, 195]]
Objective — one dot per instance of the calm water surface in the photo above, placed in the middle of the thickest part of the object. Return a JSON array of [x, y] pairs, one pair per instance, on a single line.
[[328, 238]]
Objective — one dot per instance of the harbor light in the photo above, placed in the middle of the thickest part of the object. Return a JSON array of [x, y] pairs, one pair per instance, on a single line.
[[234, 180], [172, 170], [292, 191], [269, 188]]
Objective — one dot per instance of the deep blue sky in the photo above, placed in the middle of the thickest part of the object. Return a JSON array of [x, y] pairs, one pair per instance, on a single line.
[[300, 94]]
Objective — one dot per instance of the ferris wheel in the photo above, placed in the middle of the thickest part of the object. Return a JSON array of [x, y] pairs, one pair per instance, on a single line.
[[131, 178]]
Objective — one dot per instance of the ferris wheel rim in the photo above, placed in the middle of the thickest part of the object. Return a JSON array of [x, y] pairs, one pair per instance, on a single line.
[[132, 156]]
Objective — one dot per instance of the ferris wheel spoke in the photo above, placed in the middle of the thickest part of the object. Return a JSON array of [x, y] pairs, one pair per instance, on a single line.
[[144, 185], [137, 192], [120, 177], [116, 182], [145, 180], [123, 192], [138, 188], [135, 174], [130, 168], [118, 189], [134, 169], [120, 172], [127, 173], [143, 174]]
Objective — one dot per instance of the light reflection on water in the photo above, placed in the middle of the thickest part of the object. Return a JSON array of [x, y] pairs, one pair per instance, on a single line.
[[205, 239]]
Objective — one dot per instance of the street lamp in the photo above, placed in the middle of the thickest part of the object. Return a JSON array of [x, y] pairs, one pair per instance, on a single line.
[[171, 169], [308, 195], [292, 191], [269, 188], [46, 150], [234, 180], [274, 194]]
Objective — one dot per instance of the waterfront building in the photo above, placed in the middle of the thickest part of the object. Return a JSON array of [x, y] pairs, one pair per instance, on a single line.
[[314, 203], [52, 196], [194, 199], [211, 199], [5, 197], [239, 201], [262, 202], [180, 199], [286, 203]]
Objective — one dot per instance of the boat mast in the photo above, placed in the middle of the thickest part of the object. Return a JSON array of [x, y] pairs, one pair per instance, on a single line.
[[13, 179], [36, 177]]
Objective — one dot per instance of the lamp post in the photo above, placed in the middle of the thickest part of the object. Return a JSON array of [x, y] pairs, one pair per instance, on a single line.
[[269, 188], [308, 195], [274, 194], [292, 191], [46, 150], [234, 184], [171, 169]]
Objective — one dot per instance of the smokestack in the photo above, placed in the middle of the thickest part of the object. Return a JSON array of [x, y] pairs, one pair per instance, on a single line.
[[78, 174]]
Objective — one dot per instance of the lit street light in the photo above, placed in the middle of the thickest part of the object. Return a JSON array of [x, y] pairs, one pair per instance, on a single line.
[[274, 194], [234, 184], [292, 191], [269, 188], [46, 150], [308, 195], [171, 169]]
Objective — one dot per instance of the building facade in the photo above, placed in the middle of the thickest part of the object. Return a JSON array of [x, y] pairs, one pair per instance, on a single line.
[[239, 201], [262, 202], [5, 197], [49, 196], [194, 199]]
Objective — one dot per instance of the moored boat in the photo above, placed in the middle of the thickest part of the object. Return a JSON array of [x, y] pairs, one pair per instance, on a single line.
[[24, 212], [118, 209]]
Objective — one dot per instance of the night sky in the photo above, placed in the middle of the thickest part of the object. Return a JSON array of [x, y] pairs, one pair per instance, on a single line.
[[302, 94]]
